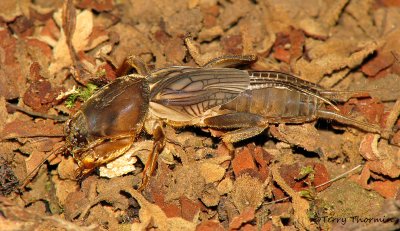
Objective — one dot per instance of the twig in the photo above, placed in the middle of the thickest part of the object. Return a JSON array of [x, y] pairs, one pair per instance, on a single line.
[[318, 186], [38, 114]]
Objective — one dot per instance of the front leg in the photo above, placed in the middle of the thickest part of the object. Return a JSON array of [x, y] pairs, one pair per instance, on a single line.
[[158, 146]]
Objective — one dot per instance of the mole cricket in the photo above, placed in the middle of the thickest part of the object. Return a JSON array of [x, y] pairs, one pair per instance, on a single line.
[[213, 95]]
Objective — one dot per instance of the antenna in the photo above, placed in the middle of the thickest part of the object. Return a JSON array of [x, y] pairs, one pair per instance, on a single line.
[[27, 179]]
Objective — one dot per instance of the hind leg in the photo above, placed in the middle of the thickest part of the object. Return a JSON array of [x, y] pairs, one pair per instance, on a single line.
[[222, 61], [133, 62], [368, 127]]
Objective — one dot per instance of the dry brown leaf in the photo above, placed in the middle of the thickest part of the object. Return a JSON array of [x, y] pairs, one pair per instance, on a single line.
[[64, 188], [247, 192], [208, 34], [332, 12], [182, 22], [42, 128], [66, 168], [232, 12], [210, 196], [11, 10], [388, 188], [225, 186], [246, 216], [212, 172], [334, 55], [12, 83], [81, 40], [17, 218], [382, 157], [300, 15], [359, 9], [152, 216], [243, 161], [49, 33], [125, 163], [188, 182], [309, 138], [300, 205]]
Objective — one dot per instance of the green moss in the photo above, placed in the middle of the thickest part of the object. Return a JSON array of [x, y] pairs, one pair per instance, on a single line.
[[82, 93]]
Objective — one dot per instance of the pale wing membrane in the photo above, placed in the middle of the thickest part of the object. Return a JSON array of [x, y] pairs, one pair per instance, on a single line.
[[190, 94]]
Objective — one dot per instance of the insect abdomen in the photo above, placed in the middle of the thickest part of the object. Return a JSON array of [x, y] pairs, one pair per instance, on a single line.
[[276, 104]]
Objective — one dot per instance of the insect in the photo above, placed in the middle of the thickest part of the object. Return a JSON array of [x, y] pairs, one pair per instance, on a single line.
[[214, 96], [223, 98], [109, 122]]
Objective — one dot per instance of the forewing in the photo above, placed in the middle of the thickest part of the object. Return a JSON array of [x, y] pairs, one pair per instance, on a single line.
[[190, 92]]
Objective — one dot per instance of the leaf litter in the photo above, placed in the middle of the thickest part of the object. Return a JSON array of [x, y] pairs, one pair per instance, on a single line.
[[46, 49]]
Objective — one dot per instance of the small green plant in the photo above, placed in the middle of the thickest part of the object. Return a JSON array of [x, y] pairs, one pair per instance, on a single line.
[[307, 194], [306, 171], [82, 93]]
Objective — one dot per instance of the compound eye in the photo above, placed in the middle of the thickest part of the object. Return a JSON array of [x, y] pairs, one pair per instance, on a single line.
[[80, 139]]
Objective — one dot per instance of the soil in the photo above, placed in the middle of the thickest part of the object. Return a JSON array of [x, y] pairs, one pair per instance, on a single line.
[[319, 175]]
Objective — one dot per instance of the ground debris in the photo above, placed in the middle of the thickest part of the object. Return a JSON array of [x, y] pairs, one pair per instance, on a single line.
[[247, 192], [8, 181], [280, 179]]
